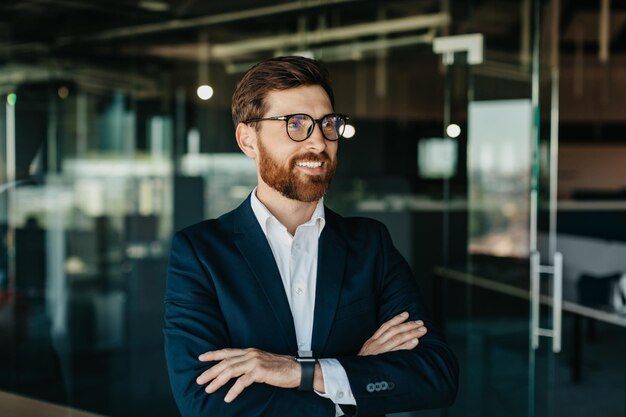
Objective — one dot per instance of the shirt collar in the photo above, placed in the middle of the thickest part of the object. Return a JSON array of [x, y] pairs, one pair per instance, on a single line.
[[263, 215]]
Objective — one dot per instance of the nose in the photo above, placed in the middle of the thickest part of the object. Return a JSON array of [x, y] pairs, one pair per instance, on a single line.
[[316, 142]]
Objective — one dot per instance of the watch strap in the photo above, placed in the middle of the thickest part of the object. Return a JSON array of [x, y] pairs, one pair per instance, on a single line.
[[308, 374]]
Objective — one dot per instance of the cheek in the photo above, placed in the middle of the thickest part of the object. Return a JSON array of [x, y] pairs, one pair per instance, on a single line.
[[292, 152], [331, 150]]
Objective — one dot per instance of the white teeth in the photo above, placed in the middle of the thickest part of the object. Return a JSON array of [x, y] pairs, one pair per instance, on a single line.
[[309, 164]]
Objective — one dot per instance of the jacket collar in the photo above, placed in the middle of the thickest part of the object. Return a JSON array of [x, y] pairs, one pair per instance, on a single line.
[[263, 215], [332, 251]]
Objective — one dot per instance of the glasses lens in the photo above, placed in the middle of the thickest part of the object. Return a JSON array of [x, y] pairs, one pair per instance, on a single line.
[[299, 127], [333, 126]]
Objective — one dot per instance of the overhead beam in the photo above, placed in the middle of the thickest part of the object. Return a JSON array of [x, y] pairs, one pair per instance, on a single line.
[[320, 36], [347, 52], [196, 22], [604, 31]]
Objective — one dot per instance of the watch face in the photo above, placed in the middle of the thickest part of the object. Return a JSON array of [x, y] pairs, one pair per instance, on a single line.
[[306, 360]]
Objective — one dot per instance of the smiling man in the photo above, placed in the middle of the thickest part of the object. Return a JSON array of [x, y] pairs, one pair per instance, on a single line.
[[283, 307]]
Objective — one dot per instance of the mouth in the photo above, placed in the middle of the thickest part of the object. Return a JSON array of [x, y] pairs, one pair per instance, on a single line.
[[310, 167], [309, 164]]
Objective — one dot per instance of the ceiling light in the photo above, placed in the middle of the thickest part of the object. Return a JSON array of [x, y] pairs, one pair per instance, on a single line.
[[453, 130], [11, 99], [63, 92], [205, 92], [349, 131]]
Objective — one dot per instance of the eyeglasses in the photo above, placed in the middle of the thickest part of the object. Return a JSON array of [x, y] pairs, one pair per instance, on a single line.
[[300, 126]]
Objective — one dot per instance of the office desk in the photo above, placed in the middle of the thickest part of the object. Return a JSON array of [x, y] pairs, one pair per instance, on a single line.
[[12, 405]]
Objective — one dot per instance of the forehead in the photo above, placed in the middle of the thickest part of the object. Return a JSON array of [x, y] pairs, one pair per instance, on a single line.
[[310, 99]]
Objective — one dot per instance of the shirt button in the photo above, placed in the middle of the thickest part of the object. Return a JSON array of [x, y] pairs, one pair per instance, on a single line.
[[340, 394], [299, 291]]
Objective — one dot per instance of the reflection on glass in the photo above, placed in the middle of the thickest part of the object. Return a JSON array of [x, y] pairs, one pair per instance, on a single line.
[[85, 219], [229, 176], [437, 157], [499, 157]]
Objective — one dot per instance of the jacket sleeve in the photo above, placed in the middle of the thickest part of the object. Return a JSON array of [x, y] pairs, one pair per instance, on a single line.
[[422, 378], [194, 324]]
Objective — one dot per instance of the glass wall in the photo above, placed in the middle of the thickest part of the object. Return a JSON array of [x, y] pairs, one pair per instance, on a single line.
[[531, 297], [89, 214], [108, 146]]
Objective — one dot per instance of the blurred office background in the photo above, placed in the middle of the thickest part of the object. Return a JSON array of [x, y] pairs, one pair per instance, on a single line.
[[488, 135]]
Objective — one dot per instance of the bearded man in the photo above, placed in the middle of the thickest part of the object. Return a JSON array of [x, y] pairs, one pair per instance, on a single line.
[[283, 307]]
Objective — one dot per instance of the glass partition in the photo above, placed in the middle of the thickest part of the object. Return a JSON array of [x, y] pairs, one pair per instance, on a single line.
[[87, 228], [483, 277], [500, 141], [108, 145]]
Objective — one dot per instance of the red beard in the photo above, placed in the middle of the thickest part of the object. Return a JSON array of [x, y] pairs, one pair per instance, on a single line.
[[295, 186]]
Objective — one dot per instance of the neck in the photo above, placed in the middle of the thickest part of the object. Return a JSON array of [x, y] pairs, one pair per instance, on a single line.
[[290, 213]]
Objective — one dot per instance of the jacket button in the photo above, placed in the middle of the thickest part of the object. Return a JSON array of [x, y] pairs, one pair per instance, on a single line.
[[384, 385], [391, 386], [370, 387], [378, 386]]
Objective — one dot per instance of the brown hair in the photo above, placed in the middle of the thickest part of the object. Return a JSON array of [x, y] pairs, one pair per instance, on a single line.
[[279, 73]]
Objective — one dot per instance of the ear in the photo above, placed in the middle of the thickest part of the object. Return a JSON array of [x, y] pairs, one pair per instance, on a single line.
[[246, 139]]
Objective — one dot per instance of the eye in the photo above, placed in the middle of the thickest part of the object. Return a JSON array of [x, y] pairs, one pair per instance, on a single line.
[[296, 122], [331, 121]]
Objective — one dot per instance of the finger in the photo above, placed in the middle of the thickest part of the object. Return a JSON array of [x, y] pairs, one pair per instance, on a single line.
[[218, 369], [393, 338], [218, 355], [400, 328], [402, 338], [407, 345], [234, 371], [213, 372], [242, 383], [391, 322]]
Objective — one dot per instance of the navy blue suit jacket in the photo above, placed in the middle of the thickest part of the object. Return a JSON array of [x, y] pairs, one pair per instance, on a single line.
[[224, 290]]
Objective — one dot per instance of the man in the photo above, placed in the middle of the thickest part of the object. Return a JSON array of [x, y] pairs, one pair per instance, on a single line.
[[282, 307]]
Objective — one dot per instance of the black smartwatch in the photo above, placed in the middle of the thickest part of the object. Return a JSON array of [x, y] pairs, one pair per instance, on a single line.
[[307, 363]]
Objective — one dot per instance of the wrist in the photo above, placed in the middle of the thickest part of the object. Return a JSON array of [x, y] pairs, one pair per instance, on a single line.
[[297, 375], [318, 379], [307, 372]]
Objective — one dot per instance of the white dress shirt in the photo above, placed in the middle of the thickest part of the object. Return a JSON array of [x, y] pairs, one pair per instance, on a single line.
[[296, 258]]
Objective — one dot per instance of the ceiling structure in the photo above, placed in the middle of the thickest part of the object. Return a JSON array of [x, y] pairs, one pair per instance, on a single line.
[[88, 40], [34, 28]]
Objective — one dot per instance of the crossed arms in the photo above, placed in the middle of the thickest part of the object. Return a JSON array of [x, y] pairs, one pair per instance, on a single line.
[[211, 377], [251, 365]]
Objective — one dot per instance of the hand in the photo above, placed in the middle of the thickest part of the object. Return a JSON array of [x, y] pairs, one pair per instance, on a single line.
[[395, 334], [248, 366]]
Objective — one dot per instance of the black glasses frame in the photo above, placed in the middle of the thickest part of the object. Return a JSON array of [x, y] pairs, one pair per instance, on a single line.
[[317, 122]]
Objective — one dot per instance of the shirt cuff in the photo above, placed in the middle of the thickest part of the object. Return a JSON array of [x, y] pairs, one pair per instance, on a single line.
[[336, 384]]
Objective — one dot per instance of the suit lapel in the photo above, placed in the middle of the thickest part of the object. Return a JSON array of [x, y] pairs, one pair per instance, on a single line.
[[330, 269], [255, 249]]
